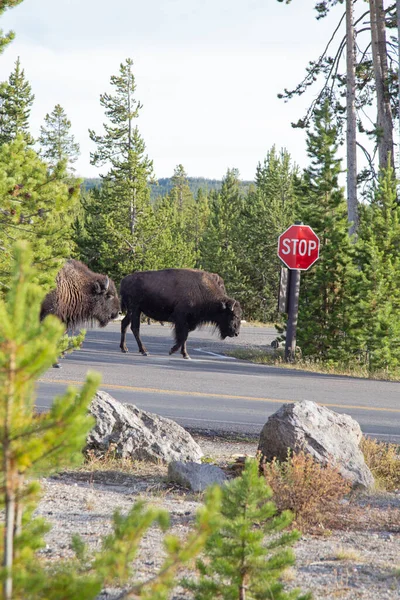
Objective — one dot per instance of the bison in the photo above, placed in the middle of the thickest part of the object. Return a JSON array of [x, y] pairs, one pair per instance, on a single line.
[[81, 296], [185, 297]]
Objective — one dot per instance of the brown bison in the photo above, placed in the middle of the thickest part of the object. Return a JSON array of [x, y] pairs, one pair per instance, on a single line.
[[186, 297], [81, 296]]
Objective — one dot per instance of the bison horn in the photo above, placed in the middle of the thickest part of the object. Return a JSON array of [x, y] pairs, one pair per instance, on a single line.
[[106, 284], [233, 305]]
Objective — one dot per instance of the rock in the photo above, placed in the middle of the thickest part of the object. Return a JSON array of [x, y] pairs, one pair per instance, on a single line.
[[137, 434], [194, 476], [328, 436]]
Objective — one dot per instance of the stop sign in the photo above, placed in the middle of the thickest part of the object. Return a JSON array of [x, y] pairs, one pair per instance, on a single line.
[[298, 247]]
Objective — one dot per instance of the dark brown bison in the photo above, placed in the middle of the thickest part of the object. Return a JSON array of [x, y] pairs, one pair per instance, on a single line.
[[186, 297], [81, 296]]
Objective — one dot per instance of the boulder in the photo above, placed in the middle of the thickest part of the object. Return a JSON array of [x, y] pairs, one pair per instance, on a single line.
[[137, 434], [328, 436], [194, 476]]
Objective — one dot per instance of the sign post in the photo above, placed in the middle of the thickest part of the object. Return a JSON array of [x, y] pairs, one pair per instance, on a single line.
[[298, 249]]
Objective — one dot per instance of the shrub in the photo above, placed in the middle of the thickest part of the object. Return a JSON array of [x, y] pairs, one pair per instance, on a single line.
[[307, 488], [383, 460]]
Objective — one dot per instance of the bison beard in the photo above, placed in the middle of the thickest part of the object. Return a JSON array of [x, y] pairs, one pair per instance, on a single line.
[[81, 296], [186, 297]]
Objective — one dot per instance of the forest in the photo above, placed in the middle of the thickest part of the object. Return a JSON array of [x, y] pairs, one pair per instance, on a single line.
[[125, 221]]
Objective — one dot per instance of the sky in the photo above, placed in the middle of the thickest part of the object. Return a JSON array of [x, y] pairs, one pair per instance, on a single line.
[[207, 73]]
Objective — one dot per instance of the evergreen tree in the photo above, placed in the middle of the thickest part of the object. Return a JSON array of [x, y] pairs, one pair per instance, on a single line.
[[6, 38], [200, 216], [36, 206], [376, 289], [29, 444], [57, 143], [16, 100], [220, 240], [175, 225], [172, 245], [122, 222], [268, 211], [326, 298], [181, 193], [239, 563]]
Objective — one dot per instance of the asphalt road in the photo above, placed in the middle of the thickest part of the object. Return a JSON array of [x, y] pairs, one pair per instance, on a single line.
[[214, 392]]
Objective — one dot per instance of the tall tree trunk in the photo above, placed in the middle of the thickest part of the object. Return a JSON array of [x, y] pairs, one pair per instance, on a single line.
[[9, 481], [352, 209], [398, 76], [133, 211], [384, 121]]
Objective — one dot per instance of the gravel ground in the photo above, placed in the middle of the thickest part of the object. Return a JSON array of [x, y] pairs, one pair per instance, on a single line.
[[359, 559]]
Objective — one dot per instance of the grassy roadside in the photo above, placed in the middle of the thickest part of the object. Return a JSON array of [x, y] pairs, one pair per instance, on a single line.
[[275, 358]]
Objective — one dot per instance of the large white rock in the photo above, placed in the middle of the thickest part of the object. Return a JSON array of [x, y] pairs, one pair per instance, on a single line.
[[328, 436], [194, 476], [137, 434]]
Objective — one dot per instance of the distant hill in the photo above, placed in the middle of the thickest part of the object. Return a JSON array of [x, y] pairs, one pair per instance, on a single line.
[[164, 185]]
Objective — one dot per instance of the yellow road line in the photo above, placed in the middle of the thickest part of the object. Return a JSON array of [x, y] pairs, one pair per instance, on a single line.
[[114, 386]]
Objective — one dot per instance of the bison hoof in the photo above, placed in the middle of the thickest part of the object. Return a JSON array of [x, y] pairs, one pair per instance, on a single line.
[[56, 366], [124, 350], [187, 357], [145, 353]]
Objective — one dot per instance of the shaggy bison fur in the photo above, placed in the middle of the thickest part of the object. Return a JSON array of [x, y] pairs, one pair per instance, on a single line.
[[81, 296]]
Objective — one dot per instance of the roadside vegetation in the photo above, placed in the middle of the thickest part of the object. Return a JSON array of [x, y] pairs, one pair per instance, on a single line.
[[274, 357]]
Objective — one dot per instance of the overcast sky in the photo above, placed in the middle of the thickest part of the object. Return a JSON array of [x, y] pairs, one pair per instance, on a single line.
[[207, 72]]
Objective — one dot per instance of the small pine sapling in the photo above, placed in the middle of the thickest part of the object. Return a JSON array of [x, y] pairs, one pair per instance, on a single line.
[[30, 443], [245, 556]]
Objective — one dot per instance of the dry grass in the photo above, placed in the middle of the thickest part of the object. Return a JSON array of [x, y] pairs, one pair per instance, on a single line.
[[270, 325], [269, 356], [110, 462], [348, 555], [383, 459], [307, 488]]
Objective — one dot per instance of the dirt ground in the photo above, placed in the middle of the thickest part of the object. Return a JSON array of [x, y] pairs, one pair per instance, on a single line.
[[357, 559]]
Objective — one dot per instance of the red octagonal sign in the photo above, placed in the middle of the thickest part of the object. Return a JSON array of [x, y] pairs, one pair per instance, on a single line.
[[298, 247]]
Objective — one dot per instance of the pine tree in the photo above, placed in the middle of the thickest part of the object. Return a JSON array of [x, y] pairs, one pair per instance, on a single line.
[[268, 211], [326, 299], [239, 563], [16, 100], [220, 240], [376, 287], [57, 143], [36, 206], [200, 216], [6, 38], [28, 443], [180, 193], [122, 224], [172, 245]]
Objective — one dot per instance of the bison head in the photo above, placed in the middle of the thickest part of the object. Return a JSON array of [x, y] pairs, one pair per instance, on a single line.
[[105, 301], [229, 318]]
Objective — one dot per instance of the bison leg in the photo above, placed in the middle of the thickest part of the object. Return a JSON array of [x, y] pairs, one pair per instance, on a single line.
[[181, 335], [124, 326], [184, 351], [135, 327]]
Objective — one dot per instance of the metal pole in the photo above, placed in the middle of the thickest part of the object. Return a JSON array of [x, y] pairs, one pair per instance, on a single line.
[[293, 311]]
